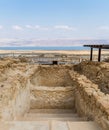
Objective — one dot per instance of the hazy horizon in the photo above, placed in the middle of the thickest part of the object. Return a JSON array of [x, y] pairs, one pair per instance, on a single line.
[[30, 20], [50, 42]]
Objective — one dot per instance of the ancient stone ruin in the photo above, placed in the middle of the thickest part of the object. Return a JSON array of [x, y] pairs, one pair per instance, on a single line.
[[70, 92]]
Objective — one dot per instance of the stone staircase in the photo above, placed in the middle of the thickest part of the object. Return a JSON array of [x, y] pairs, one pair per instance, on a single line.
[[50, 119], [51, 115]]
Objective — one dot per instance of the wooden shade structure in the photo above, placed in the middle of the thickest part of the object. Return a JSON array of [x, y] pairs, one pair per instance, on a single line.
[[99, 50]]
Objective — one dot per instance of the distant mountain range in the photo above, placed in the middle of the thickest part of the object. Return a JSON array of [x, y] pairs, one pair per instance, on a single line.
[[50, 42]]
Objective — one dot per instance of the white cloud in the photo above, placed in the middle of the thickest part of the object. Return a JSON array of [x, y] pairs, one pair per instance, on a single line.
[[41, 28], [1, 27], [65, 27], [44, 28], [37, 27], [104, 28], [17, 27], [29, 26]]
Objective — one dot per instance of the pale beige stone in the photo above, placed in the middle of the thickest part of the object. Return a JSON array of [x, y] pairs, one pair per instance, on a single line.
[[83, 126]]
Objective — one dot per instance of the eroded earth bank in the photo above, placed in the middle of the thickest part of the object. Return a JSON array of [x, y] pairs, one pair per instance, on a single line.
[[84, 88]]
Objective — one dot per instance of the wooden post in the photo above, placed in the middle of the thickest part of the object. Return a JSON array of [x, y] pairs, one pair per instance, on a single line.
[[99, 54], [91, 53]]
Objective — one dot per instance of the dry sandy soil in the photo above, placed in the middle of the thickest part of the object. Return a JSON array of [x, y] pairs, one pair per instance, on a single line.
[[84, 87], [80, 52]]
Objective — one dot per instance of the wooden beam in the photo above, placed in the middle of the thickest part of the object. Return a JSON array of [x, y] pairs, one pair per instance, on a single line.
[[91, 54], [98, 46], [99, 54]]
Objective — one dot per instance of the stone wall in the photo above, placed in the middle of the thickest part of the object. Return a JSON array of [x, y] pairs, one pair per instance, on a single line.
[[90, 102], [52, 98], [97, 72], [14, 89], [51, 76], [15, 100]]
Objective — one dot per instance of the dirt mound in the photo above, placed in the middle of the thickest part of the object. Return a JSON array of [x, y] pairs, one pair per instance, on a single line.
[[97, 72]]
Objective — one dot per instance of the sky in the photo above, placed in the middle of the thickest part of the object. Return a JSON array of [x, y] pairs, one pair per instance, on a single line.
[[54, 19]]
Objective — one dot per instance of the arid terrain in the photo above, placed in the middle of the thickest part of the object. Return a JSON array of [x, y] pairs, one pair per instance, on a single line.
[[62, 57], [83, 88], [81, 52]]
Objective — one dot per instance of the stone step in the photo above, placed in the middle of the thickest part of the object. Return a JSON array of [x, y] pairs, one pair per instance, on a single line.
[[47, 125], [30, 118], [91, 125], [56, 111], [51, 116], [38, 115], [57, 125], [25, 125]]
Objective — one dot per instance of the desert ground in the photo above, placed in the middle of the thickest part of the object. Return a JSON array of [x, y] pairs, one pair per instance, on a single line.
[[75, 52], [53, 97]]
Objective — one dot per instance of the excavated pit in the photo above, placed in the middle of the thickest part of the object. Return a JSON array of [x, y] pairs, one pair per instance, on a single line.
[[81, 88], [52, 88]]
